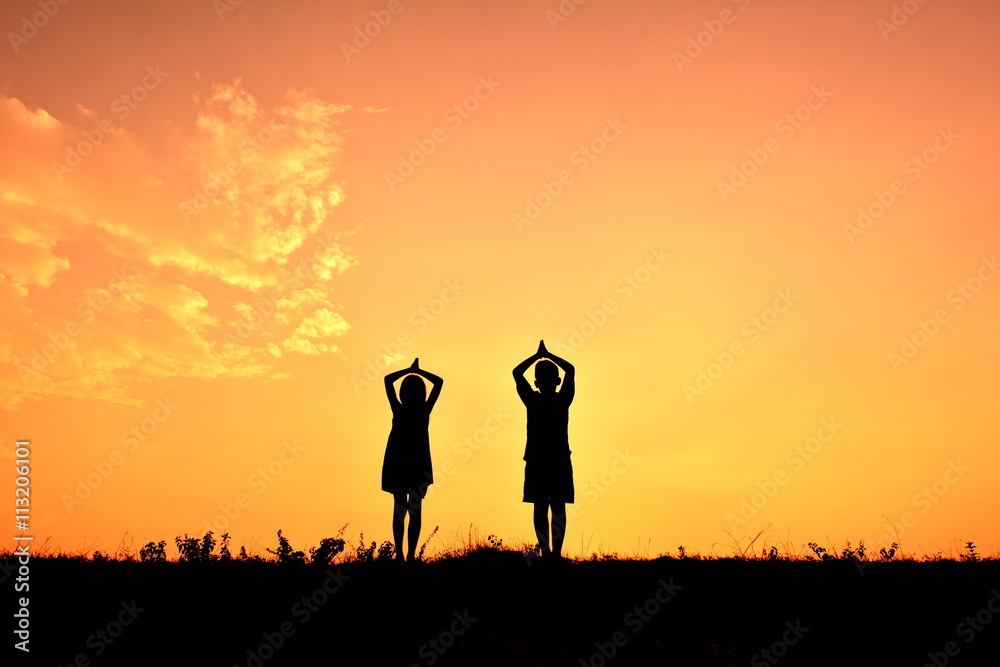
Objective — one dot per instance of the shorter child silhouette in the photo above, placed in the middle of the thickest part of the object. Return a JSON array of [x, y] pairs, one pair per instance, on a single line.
[[406, 468], [548, 471]]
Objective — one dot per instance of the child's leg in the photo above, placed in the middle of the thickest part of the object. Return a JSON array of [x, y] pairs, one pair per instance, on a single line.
[[558, 527], [398, 514], [541, 518], [415, 506]]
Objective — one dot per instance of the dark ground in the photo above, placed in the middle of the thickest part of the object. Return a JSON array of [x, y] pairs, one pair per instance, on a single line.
[[492, 608]]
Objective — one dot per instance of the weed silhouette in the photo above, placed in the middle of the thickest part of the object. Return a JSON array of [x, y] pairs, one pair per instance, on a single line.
[[970, 555], [286, 554], [154, 552]]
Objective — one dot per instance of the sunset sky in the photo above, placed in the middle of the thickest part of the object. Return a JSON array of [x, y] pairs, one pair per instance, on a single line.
[[765, 233]]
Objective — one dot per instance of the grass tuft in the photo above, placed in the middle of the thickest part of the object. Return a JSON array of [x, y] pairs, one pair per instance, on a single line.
[[472, 543]]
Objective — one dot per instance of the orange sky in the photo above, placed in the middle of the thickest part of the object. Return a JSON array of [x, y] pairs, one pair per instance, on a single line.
[[220, 223]]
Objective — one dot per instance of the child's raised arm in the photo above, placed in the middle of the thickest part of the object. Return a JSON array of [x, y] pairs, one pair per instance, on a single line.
[[561, 363], [569, 379], [523, 388], [390, 390], [436, 382], [522, 367]]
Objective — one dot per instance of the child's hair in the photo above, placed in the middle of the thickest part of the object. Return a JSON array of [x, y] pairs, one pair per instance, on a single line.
[[546, 370], [412, 390]]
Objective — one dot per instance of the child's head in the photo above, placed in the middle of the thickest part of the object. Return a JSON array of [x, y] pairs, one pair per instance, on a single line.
[[412, 390], [546, 375]]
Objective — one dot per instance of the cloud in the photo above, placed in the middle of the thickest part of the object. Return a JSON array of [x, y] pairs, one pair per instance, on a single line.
[[309, 335], [212, 256]]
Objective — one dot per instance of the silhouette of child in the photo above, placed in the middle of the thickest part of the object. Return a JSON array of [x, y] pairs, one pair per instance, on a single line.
[[406, 468], [548, 472]]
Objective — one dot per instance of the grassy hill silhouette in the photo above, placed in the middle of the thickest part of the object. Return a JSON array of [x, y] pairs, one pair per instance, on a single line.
[[484, 603]]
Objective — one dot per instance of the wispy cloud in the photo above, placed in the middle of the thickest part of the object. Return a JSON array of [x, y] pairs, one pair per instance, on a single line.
[[206, 258]]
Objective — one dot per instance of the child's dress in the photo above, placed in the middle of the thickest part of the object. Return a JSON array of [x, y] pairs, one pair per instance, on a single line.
[[406, 467], [548, 471]]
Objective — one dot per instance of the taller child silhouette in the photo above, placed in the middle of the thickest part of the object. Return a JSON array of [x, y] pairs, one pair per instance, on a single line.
[[406, 468], [548, 472]]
